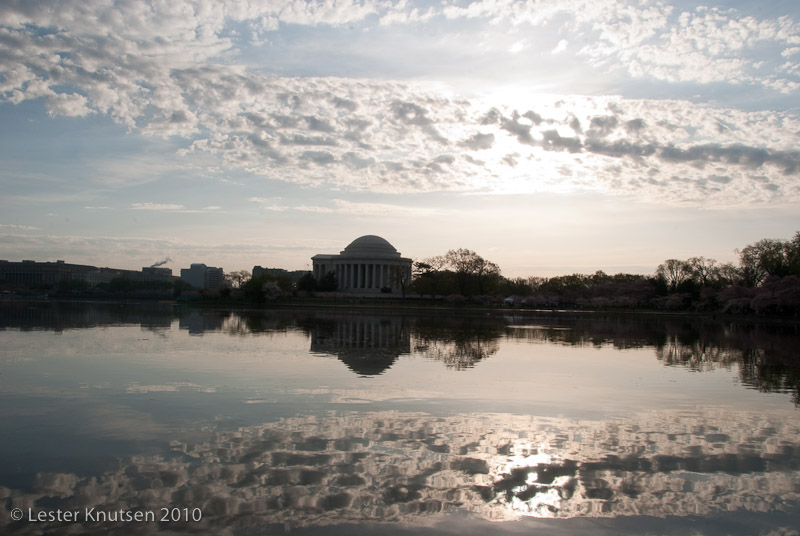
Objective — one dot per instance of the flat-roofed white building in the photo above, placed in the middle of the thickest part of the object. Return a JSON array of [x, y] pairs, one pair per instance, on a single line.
[[369, 265]]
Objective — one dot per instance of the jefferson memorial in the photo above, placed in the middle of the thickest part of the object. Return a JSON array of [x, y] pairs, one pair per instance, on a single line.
[[369, 265]]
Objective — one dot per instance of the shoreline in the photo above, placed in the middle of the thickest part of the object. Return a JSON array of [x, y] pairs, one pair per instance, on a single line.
[[420, 306]]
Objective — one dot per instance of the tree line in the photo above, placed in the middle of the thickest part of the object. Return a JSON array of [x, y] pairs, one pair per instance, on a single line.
[[766, 280]]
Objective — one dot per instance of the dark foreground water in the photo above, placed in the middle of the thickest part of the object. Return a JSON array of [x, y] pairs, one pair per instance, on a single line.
[[120, 418]]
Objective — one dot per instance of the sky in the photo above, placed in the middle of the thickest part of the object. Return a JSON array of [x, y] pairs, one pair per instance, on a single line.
[[550, 136]]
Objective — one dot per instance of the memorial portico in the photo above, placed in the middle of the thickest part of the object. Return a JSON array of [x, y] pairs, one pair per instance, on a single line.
[[369, 265]]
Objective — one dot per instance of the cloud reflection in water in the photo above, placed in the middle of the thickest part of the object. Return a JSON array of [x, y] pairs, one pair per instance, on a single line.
[[405, 467]]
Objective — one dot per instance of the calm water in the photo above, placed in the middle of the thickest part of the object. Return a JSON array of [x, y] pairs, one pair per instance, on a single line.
[[360, 423]]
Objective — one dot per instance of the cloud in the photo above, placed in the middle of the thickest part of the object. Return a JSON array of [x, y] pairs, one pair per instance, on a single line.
[[301, 139], [156, 206], [657, 40], [342, 206], [270, 203], [400, 14], [175, 70], [321, 158], [519, 46], [15, 227], [602, 125], [174, 208], [620, 148], [520, 130], [750, 157], [560, 47], [553, 141], [479, 141], [410, 113]]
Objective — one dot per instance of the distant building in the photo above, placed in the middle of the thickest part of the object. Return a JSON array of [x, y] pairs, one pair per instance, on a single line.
[[157, 273], [50, 274], [370, 265], [101, 275], [148, 274], [42, 274], [201, 276], [293, 275]]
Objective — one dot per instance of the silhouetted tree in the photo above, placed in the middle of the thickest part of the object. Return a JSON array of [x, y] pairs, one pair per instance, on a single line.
[[536, 282], [399, 276], [307, 283], [328, 283], [772, 257], [768, 257], [515, 287], [727, 274], [178, 286], [260, 287], [702, 270], [752, 272], [285, 283], [793, 255], [674, 272], [430, 277], [470, 267]]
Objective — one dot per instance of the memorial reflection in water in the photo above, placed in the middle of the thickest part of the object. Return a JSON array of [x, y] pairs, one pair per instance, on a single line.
[[368, 345], [253, 419]]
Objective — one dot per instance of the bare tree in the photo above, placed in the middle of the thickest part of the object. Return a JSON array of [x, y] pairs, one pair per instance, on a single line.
[[401, 277], [674, 272], [727, 274], [702, 269], [468, 265]]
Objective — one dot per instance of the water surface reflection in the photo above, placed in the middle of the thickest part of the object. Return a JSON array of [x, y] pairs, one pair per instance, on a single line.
[[766, 354], [396, 467], [367, 345], [321, 420]]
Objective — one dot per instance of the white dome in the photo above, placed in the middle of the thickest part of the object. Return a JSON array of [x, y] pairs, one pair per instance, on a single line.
[[370, 246]]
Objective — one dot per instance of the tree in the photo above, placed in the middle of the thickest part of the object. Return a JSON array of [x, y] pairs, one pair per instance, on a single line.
[[400, 277], [285, 283], [772, 257], [307, 283], [600, 277], [178, 286], [752, 272], [727, 275], [237, 278], [674, 272], [260, 287], [471, 268], [515, 287], [793, 254], [573, 283], [702, 270], [328, 283], [536, 282], [430, 277]]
